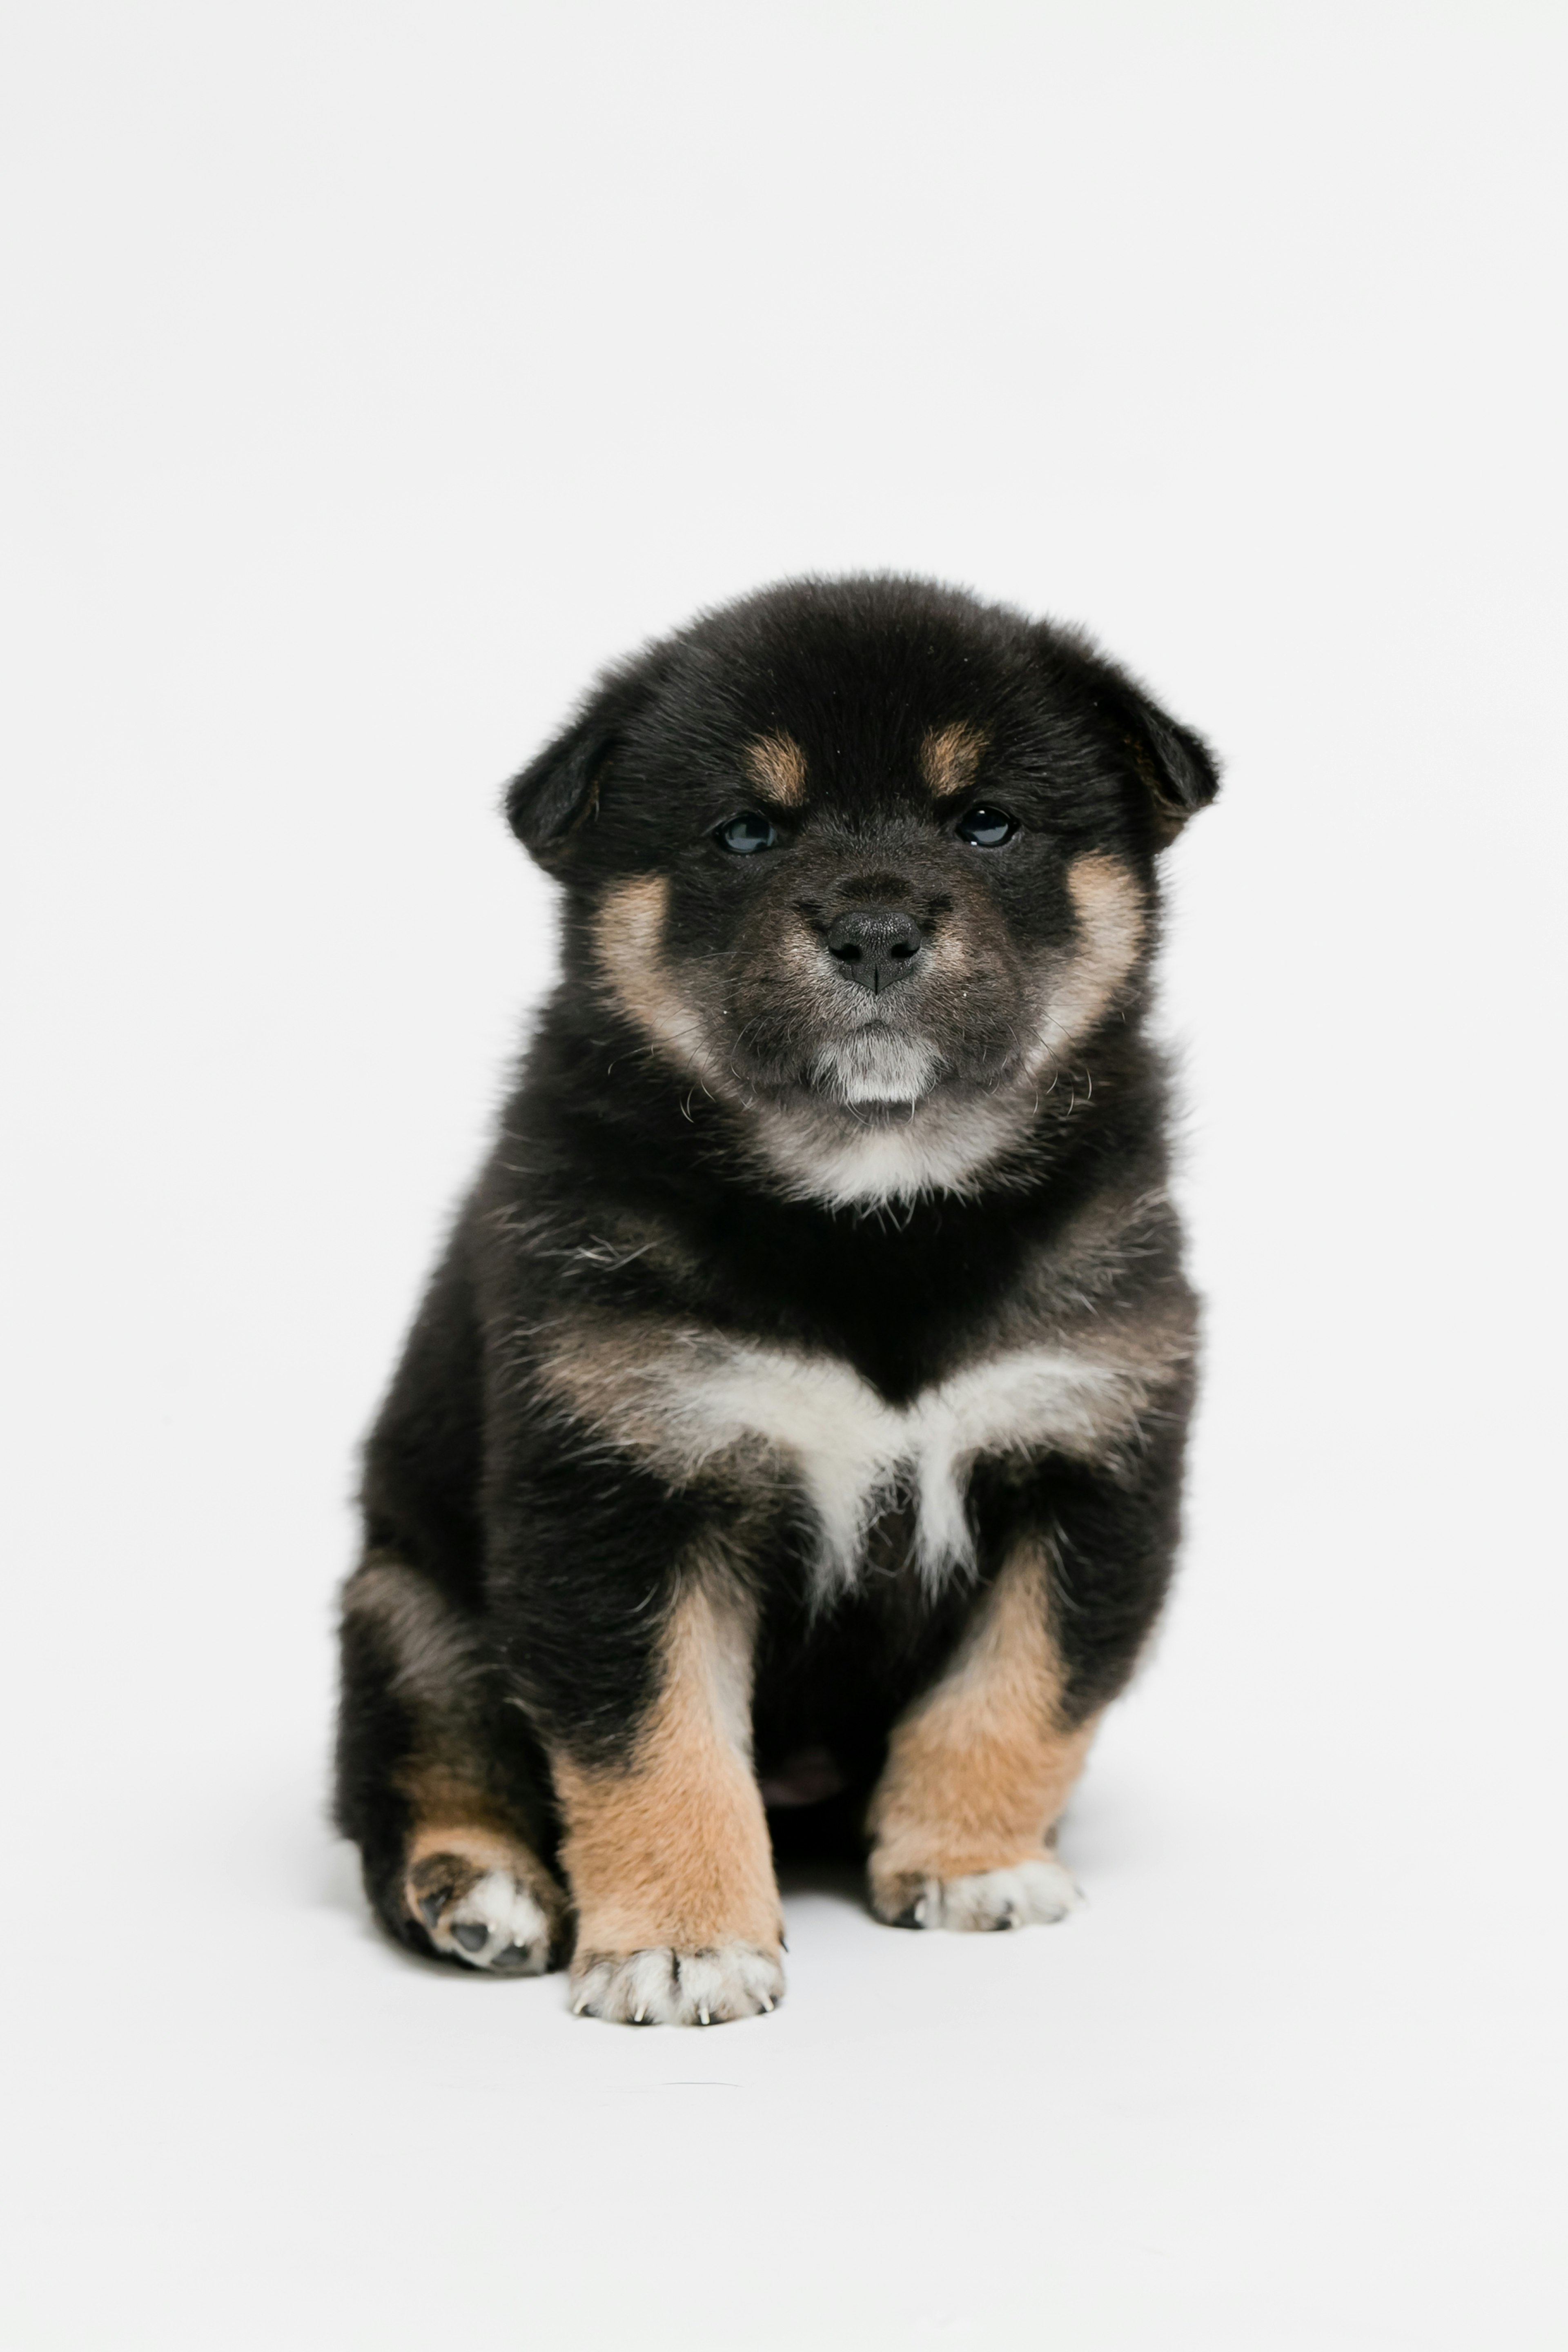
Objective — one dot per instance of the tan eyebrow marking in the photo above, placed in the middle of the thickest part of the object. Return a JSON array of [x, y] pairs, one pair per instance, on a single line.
[[950, 756], [778, 764]]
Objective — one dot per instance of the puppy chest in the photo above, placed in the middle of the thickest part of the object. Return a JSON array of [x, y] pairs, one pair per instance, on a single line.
[[691, 1404]]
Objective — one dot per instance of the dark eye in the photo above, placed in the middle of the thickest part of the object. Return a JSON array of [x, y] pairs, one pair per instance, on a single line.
[[986, 828], [746, 834]]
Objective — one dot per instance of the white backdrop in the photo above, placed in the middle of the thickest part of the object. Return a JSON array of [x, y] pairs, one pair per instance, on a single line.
[[373, 372]]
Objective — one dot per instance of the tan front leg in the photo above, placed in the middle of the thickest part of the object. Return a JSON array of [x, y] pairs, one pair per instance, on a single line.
[[978, 1771], [667, 1856]]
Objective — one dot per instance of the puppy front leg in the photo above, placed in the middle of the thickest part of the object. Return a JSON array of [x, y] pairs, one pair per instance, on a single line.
[[977, 1772], [668, 1853]]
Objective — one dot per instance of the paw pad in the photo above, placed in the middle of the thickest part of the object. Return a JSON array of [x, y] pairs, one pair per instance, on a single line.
[[483, 1916], [1028, 1893]]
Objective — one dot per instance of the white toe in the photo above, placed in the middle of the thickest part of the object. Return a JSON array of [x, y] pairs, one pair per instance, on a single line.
[[516, 1933], [1031, 1894], [665, 1987]]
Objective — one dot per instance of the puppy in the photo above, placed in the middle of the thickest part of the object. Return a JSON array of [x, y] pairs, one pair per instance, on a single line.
[[794, 1426]]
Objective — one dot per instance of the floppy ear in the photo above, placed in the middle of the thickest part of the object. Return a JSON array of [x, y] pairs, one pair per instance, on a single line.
[[1175, 765], [558, 793]]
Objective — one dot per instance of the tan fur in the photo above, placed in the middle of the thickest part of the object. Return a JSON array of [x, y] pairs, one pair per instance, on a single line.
[[454, 1815], [459, 1833], [1111, 919], [949, 758], [455, 1845], [672, 1849], [628, 936], [777, 764], [481, 1847], [979, 1769]]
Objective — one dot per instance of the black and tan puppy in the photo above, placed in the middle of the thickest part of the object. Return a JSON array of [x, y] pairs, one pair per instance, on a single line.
[[797, 1414]]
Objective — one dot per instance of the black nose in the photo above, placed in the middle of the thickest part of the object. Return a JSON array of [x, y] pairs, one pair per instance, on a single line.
[[874, 948]]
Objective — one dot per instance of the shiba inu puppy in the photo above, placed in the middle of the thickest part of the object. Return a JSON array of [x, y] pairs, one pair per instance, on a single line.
[[794, 1422]]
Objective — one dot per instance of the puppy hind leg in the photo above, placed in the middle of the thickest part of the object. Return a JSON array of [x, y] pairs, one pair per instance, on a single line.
[[964, 1818], [435, 1782]]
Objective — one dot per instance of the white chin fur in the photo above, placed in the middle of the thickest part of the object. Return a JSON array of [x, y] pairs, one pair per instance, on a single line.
[[875, 1065], [821, 1154]]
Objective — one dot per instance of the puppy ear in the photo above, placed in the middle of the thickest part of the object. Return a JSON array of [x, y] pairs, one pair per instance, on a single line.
[[1173, 762], [1176, 764], [557, 794]]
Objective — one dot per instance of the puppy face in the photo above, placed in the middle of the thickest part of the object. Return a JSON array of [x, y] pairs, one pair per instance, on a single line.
[[862, 852]]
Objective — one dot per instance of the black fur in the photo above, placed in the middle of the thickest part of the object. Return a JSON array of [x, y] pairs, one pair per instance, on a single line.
[[627, 1182]]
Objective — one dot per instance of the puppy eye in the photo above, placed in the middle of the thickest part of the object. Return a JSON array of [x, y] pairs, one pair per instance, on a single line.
[[746, 834], [986, 828]]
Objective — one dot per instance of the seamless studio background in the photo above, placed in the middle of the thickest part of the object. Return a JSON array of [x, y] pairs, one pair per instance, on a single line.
[[374, 373]]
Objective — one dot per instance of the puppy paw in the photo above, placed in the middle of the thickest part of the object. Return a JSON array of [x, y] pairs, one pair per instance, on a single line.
[[1025, 1894], [489, 1912], [665, 1987]]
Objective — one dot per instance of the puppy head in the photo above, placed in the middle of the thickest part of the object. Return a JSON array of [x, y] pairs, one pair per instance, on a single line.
[[861, 855]]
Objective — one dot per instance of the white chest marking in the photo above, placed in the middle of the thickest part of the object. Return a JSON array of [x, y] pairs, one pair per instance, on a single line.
[[853, 1452]]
